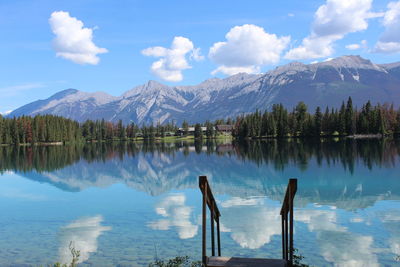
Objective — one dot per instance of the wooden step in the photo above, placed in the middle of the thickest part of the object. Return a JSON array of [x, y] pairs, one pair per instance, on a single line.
[[244, 262]]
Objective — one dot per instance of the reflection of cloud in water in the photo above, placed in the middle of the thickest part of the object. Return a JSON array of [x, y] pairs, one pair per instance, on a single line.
[[237, 201], [347, 249], [256, 223], [337, 245], [318, 220], [391, 221], [356, 220], [83, 234], [176, 214]]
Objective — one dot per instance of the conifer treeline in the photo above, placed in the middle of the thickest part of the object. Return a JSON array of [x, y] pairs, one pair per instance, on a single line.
[[279, 122], [41, 128], [347, 120]]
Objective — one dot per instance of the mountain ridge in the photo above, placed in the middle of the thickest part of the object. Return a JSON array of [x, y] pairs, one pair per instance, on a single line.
[[318, 84]]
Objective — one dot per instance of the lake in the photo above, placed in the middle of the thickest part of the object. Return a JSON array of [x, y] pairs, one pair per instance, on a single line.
[[126, 204]]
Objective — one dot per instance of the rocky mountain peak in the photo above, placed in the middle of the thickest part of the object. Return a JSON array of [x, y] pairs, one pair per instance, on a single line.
[[64, 93], [319, 84], [351, 62]]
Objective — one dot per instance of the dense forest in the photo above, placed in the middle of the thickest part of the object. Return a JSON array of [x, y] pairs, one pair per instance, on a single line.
[[348, 120], [279, 122]]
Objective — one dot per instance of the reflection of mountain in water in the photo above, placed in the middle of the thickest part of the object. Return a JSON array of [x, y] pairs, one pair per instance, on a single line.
[[347, 174]]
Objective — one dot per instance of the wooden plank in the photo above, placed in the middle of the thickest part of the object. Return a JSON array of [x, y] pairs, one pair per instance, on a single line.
[[291, 225], [219, 238], [244, 262], [212, 231], [204, 237], [283, 237]]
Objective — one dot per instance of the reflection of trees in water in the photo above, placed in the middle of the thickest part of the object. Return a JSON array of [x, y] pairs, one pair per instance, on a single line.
[[348, 152], [279, 153]]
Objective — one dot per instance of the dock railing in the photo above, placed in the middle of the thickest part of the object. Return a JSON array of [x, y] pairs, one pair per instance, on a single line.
[[209, 200], [286, 213], [287, 223]]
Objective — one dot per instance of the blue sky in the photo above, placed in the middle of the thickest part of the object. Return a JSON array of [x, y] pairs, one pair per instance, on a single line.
[[111, 46]]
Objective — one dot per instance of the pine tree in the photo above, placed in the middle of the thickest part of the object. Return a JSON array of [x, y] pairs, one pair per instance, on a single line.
[[185, 127], [209, 130], [121, 131], [318, 121], [398, 122], [198, 134], [349, 118], [326, 122], [382, 123], [342, 119], [272, 126], [1, 130], [15, 132], [300, 113]]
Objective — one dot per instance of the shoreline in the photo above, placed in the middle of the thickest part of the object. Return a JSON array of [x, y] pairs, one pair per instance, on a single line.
[[222, 137]]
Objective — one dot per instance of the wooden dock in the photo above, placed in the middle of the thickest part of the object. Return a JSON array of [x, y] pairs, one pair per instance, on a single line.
[[244, 262], [219, 261]]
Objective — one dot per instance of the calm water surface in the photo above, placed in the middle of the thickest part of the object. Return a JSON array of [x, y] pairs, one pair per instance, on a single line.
[[127, 204]]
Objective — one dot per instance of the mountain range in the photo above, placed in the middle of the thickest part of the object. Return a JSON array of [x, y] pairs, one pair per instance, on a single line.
[[321, 84]]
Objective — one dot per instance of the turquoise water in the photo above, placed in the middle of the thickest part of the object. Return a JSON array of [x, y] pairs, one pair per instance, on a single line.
[[125, 205]]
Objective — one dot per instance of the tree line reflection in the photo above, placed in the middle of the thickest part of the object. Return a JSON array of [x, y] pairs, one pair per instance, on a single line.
[[277, 153]]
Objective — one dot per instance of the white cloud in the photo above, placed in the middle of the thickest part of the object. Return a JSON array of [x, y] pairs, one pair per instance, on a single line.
[[362, 44], [73, 41], [353, 46], [83, 234], [196, 55], [389, 42], [173, 60], [246, 49], [332, 21], [176, 214]]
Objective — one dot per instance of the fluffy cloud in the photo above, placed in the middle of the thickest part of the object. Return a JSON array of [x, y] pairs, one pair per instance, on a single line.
[[73, 41], [173, 60], [353, 46], [362, 44], [246, 49], [176, 214], [332, 22], [83, 234], [389, 42]]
